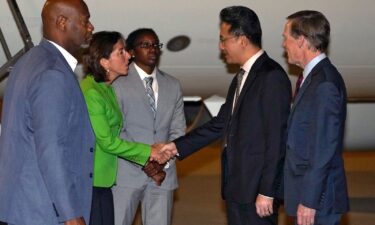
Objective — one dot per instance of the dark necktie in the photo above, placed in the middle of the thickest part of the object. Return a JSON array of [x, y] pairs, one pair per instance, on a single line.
[[239, 82], [150, 94], [298, 84], [239, 77]]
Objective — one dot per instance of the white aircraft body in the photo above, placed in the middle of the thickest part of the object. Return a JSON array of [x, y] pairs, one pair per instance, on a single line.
[[199, 67]]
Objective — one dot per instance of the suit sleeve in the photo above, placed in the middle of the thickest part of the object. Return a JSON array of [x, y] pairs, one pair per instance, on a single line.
[[178, 123], [50, 104], [132, 151], [325, 140], [275, 110], [205, 134]]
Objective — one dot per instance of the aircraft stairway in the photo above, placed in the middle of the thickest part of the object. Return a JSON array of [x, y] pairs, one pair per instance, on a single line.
[[26, 38]]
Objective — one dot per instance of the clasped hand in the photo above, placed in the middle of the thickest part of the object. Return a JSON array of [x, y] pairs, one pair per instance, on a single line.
[[162, 153]]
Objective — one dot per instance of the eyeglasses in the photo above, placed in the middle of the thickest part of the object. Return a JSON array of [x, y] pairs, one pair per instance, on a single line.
[[147, 45], [222, 40]]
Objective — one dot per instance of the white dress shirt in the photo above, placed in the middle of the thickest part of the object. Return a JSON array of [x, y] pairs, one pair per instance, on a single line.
[[247, 67], [155, 86], [68, 57]]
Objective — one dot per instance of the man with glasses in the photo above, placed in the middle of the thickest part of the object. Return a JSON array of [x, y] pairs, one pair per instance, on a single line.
[[252, 123], [153, 110]]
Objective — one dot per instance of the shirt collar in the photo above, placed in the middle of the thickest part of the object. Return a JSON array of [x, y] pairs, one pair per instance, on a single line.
[[250, 62], [312, 64], [68, 57], [143, 74]]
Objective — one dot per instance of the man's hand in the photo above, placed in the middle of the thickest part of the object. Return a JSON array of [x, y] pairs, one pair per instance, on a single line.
[[170, 148], [76, 221], [158, 155], [264, 205], [159, 177], [152, 168], [155, 171], [305, 215]]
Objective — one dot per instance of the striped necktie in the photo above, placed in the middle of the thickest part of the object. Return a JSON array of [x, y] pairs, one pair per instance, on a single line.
[[150, 94]]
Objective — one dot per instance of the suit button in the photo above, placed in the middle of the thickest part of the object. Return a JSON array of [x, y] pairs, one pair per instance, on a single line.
[[90, 175], [154, 131], [91, 149]]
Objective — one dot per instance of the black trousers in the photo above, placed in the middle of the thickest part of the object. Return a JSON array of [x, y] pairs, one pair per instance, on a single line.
[[245, 214], [102, 211]]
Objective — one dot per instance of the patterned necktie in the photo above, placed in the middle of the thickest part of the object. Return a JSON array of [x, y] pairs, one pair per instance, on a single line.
[[239, 81], [150, 94], [298, 84]]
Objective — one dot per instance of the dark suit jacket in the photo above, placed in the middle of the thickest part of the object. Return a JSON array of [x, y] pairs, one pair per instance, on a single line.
[[314, 171], [254, 134], [46, 142]]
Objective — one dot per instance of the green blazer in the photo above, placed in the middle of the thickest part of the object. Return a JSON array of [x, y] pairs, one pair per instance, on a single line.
[[106, 121]]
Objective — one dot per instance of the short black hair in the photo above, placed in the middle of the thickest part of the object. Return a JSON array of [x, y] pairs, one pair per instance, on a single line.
[[101, 46], [133, 37], [243, 21]]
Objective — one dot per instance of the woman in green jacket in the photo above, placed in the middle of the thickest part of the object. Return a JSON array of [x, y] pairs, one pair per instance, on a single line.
[[105, 61]]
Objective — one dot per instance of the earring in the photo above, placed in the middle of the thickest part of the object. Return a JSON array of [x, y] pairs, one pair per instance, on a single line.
[[133, 56]]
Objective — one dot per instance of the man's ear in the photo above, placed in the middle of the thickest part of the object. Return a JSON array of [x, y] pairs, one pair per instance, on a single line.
[[244, 40], [300, 41], [61, 22]]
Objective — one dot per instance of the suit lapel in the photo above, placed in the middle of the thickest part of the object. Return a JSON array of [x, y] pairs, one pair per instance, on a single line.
[[162, 94], [301, 91], [51, 48], [162, 90], [253, 73], [306, 84], [136, 80]]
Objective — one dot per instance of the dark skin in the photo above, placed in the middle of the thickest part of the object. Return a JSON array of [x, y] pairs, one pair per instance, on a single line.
[[146, 59], [66, 22]]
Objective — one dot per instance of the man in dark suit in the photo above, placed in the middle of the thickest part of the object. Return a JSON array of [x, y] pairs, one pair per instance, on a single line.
[[252, 122], [315, 183], [47, 142]]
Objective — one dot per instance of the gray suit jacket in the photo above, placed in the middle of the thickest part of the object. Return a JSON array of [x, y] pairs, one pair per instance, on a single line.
[[140, 126], [46, 142]]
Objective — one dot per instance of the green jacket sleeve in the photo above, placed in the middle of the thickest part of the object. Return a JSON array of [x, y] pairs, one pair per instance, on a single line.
[[107, 137]]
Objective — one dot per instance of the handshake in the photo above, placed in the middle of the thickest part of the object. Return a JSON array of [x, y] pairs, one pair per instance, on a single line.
[[160, 155]]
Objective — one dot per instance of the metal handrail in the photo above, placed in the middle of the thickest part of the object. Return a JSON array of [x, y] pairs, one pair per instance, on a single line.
[[25, 35]]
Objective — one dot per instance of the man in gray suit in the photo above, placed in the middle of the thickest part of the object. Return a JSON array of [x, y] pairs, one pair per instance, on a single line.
[[153, 112], [47, 142]]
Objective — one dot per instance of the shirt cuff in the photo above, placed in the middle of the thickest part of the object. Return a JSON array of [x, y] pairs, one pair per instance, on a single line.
[[266, 196]]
